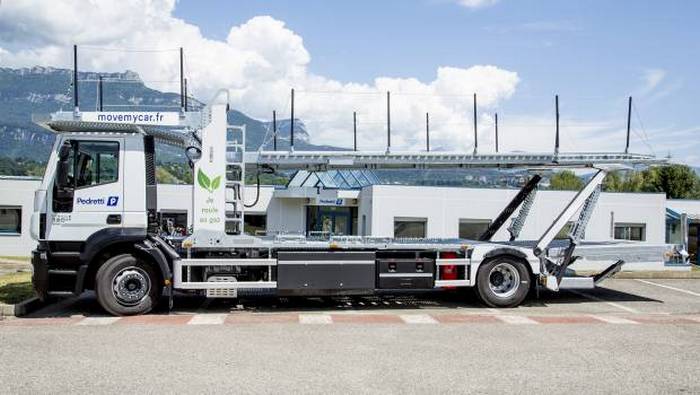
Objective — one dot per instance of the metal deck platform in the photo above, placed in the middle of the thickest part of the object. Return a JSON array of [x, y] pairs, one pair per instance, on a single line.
[[323, 160]]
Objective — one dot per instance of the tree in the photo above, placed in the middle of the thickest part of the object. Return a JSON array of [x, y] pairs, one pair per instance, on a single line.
[[613, 182], [565, 181], [677, 181]]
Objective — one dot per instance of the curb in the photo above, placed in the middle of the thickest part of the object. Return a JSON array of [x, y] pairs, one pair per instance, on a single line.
[[22, 308]]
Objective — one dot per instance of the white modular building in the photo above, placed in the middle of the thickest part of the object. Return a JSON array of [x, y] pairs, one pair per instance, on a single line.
[[379, 210]]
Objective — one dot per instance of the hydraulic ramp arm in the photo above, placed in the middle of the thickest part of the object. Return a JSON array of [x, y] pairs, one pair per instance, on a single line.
[[583, 202]]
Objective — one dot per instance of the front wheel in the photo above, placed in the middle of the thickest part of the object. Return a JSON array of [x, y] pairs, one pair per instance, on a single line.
[[503, 282], [126, 285]]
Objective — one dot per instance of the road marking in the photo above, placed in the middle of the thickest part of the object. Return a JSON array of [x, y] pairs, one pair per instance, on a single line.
[[670, 287], [418, 319], [611, 319], [98, 321], [315, 319], [613, 304], [207, 319], [516, 319]]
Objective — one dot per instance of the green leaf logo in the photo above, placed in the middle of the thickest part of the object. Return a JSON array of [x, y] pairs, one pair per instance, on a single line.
[[205, 182], [215, 183]]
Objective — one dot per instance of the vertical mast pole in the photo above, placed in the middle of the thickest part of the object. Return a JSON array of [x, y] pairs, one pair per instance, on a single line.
[[476, 141], [427, 132], [182, 81], [388, 121], [274, 130], [100, 88], [496, 130], [76, 108], [629, 125], [291, 126], [354, 130], [185, 86], [556, 138]]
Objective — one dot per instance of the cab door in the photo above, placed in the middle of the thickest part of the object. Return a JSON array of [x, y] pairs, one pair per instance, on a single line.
[[92, 197]]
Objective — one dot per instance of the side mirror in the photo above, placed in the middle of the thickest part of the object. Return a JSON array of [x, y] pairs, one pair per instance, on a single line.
[[63, 166]]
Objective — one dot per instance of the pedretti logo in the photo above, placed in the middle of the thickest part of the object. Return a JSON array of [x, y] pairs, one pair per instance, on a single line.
[[335, 202], [110, 201]]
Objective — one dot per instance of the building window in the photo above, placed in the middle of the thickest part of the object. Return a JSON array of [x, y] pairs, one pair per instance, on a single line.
[[254, 224], [10, 220], [173, 223], [472, 229], [410, 227], [636, 232]]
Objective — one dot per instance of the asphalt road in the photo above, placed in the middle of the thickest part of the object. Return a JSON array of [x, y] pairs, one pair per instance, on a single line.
[[631, 337]]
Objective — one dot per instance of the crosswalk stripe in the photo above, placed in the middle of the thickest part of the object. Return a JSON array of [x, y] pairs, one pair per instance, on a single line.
[[516, 319], [98, 321], [418, 319], [611, 319], [315, 319], [207, 319]]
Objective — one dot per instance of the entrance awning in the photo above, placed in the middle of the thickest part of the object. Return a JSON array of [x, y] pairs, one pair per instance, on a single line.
[[334, 179]]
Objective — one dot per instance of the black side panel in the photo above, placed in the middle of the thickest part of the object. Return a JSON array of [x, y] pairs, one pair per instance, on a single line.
[[149, 149], [325, 273], [406, 273]]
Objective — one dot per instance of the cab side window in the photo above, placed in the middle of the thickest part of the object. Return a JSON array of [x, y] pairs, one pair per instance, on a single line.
[[96, 163]]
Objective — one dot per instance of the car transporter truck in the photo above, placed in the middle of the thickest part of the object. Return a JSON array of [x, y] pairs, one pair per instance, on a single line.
[[96, 223]]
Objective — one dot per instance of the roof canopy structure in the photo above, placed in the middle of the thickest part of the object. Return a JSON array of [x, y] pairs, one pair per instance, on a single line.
[[334, 179]]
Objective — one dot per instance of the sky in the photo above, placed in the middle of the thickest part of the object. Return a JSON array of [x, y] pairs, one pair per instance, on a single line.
[[342, 56]]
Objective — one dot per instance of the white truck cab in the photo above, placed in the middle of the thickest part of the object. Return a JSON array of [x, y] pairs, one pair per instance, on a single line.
[[97, 200], [86, 189]]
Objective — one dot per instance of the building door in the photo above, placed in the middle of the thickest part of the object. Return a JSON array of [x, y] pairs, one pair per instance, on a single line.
[[693, 232], [328, 221]]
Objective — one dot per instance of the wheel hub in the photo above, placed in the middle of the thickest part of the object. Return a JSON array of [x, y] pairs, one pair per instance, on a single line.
[[131, 285], [504, 280]]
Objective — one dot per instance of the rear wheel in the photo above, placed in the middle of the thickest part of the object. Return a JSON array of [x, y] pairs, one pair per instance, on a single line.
[[126, 285], [503, 282]]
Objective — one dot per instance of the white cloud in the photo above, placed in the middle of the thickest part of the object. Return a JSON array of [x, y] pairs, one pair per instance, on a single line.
[[259, 62], [652, 79], [476, 3]]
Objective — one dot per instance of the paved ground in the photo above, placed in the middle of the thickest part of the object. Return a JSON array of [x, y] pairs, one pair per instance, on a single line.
[[640, 336]]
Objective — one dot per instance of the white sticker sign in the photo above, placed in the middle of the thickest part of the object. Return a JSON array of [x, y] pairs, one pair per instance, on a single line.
[[134, 117]]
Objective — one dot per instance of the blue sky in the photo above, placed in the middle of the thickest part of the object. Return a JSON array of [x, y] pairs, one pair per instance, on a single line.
[[342, 56], [593, 53]]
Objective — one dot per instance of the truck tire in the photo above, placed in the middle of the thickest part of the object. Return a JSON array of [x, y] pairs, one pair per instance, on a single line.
[[503, 282], [126, 285]]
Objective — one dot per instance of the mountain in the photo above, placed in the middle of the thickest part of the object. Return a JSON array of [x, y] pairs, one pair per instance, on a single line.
[[36, 91]]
